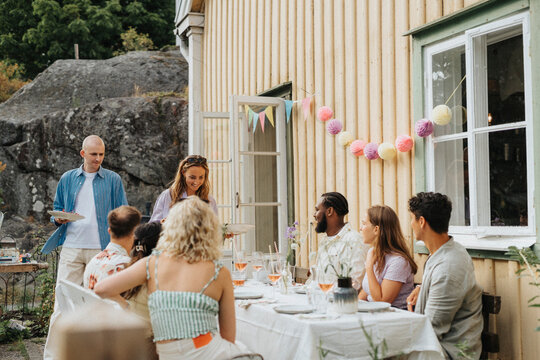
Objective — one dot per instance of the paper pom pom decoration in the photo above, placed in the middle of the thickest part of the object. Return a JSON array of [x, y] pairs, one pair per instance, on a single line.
[[404, 143], [345, 138], [334, 126], [325, 113], [441, 114], [370, 151], [357, 147], [423, 127], [386, 151]]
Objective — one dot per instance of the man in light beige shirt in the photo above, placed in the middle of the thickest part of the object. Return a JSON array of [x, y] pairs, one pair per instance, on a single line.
[[342, 245], [449, 294]]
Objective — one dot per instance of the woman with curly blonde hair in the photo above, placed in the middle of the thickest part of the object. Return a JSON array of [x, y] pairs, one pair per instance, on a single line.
[[191, 179], [188, 290]]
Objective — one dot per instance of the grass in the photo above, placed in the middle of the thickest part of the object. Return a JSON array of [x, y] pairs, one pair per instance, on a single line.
[[21, 348]]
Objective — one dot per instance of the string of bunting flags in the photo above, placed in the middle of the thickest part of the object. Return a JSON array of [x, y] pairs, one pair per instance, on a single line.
[[260, 117], [441, 115]]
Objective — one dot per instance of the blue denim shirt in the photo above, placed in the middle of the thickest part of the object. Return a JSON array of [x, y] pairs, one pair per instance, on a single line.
[[108, 195]]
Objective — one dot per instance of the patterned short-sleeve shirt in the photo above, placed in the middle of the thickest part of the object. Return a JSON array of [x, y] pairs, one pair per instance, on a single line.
[[111, 260]]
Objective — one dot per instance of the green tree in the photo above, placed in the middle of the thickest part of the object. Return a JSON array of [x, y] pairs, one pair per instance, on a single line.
[[35, 33]]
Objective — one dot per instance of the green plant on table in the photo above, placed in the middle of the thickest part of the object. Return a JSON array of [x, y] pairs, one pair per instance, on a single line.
[[528, 258]]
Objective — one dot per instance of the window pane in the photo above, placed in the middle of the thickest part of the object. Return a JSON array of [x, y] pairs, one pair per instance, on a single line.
[[501, 161], [452, 178], [506, 99], [448, 68]]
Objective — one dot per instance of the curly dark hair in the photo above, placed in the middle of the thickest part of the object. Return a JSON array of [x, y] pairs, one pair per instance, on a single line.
[[436, 208]]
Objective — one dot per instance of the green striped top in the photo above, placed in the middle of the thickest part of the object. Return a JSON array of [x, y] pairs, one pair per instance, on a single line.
[[181, 314]]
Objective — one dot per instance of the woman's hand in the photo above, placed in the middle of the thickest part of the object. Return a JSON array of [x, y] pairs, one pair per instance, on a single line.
[[412, 298], [370, 260]]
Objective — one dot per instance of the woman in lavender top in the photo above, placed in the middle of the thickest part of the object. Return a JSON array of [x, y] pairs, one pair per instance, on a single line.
[[390, 267], [191, 179]]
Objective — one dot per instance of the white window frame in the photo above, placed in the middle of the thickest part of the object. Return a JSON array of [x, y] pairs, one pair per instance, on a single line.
[[475, 236]]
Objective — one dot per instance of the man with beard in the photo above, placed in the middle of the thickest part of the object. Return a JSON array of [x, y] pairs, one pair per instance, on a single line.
[[342, 249]]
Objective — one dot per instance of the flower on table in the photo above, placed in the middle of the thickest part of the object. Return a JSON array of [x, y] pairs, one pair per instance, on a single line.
[[293, 234]]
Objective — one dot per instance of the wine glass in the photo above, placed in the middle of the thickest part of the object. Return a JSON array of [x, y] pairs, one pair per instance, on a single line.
[[241, 262], [238, 278], [274, 268], [326, 279], [257, 262]]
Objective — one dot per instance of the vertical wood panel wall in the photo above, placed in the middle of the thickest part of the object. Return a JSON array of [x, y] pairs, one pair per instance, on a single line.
[[351, 56]]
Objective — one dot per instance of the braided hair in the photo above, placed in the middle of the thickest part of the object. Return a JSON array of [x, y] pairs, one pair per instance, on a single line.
[[336, 201]]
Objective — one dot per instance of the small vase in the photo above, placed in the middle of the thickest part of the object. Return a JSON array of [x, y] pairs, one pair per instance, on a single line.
[[285, 283], [345, 297]]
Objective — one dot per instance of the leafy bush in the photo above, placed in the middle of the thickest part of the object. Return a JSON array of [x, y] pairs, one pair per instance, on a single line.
[[10, 82], [528, 258], [133, 41]]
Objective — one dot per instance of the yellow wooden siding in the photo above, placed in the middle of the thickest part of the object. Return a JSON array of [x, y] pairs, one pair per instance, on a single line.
[[351, 56]]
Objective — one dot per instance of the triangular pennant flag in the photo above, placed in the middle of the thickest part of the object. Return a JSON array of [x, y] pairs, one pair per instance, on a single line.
[[288, 109], [306, 107], [247, 111], [255, 118], [261, 119], [270, 115]]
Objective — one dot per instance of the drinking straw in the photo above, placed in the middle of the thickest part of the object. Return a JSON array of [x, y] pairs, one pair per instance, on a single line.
[[275, 246], [271, 262]]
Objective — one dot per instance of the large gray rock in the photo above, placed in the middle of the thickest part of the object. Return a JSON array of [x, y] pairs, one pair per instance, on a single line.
[[42, 128]]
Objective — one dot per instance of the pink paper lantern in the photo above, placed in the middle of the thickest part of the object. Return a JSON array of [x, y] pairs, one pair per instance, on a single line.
[[334, 126], [357, 147], [325, 113], [423, 127], [404, 143], [370, 151]]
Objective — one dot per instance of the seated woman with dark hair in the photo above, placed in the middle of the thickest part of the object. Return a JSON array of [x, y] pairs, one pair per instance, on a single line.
[[189, 291], [390, 267]]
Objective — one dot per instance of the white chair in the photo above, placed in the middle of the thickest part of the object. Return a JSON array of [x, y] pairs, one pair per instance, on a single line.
[[79, 296], [65, 305]]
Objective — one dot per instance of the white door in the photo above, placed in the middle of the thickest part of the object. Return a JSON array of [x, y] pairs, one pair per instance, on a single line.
[[259, 173]]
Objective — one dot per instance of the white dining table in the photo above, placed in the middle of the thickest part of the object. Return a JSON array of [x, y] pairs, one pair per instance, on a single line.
[[283, 336]]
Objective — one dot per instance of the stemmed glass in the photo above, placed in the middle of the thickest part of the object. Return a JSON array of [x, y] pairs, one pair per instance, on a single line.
[[274, 268], [241, 263], [326, 279], [257, 262]]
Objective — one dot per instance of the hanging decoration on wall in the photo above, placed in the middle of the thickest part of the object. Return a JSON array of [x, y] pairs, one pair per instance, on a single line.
[[334, 126], [423, 127], [345, 138], [325, 113], [306, 107], [386, 151], [440, 115], [262, 116], [288, 109], [370, 151], [404, 143], [357, 147]]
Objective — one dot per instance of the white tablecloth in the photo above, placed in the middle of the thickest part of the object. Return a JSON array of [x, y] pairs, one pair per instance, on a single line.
[[280, 336]]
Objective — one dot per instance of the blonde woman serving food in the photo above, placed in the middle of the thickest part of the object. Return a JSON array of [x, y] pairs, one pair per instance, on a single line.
[[191, 179], [188, 290], [390, 267]]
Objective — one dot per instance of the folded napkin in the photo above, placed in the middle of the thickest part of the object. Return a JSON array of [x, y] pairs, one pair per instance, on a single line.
[[315, 316], [247, 303]]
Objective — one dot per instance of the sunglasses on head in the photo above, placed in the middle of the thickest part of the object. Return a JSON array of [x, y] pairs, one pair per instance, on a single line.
[[196, 160]]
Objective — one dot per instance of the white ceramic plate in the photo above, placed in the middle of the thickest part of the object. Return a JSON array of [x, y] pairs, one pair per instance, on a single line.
[[65, 215], [300, 289], [366, 306], [294, 309], [247, 294]]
